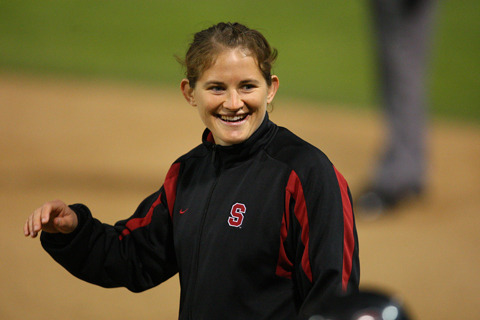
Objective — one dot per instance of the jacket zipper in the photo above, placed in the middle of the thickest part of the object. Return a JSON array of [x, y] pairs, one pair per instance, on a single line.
[[200, 234]]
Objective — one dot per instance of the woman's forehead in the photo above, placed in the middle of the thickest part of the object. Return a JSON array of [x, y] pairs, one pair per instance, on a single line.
[[233, 62]]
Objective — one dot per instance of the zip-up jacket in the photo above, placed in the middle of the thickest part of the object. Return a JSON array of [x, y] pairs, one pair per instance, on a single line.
[[259, 230]]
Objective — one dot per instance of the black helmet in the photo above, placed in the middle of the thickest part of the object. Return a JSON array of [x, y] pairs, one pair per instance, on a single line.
[[363, 305]]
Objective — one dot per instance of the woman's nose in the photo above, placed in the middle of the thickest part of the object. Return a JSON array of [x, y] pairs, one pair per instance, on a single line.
[[233, 101]]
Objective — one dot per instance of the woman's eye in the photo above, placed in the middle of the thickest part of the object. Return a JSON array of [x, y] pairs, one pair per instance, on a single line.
[[216, 88], [248, 86]]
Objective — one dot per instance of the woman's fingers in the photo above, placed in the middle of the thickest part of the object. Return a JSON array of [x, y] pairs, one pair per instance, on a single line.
[[37, 220], [26, 228], [53, 216]]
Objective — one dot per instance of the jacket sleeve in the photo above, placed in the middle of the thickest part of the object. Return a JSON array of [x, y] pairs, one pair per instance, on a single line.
[[136, 253], [323, 236]]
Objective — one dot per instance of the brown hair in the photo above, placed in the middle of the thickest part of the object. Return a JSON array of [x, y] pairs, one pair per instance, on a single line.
[[208, 43]]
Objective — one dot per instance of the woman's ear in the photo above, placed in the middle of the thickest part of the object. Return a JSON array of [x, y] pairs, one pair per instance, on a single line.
[[187, 92], [272, 89]]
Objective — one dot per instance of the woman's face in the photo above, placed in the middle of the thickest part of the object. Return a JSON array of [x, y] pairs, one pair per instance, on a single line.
[[231, 96]]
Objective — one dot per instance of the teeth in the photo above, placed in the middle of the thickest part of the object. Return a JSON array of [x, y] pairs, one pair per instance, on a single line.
[[233, 118]]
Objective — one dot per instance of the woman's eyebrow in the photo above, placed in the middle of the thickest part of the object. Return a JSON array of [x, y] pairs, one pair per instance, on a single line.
[[213, 82], [253, 81]]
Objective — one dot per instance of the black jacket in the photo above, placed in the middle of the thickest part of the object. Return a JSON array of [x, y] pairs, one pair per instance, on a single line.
[[259, 230]]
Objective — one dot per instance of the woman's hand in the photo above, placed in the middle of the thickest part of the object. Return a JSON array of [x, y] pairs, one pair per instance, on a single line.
[[53, 217]]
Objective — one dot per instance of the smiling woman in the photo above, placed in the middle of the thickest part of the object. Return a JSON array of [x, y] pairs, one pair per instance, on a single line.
[[231, 96], [257, 222], [229, 80]]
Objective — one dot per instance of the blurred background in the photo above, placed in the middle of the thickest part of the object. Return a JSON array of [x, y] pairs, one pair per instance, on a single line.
[[89, 88], [326, 48]]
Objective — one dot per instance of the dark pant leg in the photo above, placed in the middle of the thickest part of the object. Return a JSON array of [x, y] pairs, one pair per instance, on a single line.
[[402, 29]]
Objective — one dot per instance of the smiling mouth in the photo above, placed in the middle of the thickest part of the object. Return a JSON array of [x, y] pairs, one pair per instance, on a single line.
[[235, 118]]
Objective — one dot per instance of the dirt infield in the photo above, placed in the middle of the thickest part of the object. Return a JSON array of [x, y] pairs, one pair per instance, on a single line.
[[109, 145]]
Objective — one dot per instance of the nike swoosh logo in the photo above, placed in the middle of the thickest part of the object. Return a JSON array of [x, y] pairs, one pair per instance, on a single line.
[[183, 211]]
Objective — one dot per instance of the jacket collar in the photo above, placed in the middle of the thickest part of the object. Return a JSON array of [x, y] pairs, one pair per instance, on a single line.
[[229, 155]]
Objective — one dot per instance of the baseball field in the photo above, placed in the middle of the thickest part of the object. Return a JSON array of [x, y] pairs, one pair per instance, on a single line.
[[91, 112], [105, 144]]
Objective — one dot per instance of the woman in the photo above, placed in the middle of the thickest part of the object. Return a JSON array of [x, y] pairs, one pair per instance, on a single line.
[[257, 222]]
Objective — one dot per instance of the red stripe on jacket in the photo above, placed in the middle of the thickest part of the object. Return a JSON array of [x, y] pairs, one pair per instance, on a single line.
[[348, 236], [140, 222], [294, 191], [170, 187]]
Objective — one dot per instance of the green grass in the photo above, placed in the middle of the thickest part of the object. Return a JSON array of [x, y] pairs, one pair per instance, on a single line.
[[325, 47]]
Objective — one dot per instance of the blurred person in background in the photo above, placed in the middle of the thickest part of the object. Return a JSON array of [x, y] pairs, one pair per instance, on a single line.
[[402, 30]]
